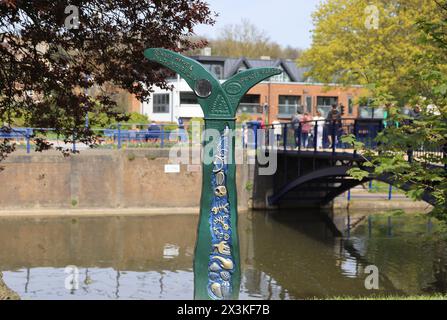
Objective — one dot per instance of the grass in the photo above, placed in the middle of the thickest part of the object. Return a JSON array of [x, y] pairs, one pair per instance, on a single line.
[[381, 187]]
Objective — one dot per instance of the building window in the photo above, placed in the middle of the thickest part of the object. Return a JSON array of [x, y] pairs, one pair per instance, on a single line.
[[371, 113], [309, 104], [288, 106], [324, 104], [188, 97], [250, 104], [217, 68], [161, 103], [283, 77], [350, 105]]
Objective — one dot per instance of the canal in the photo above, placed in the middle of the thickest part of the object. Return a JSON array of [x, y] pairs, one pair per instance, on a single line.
[[287, 255]]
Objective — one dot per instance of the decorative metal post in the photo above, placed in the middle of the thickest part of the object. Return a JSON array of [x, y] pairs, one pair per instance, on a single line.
[[216, 262]]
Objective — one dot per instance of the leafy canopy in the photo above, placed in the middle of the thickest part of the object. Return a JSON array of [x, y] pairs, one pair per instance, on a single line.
[[47, 68], [403, 62], [352, 45], [246, 40]]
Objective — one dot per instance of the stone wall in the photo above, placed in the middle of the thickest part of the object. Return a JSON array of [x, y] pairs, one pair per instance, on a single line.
[[102, 179]]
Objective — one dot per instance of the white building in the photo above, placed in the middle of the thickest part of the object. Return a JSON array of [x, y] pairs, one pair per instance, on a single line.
[[169, 106]]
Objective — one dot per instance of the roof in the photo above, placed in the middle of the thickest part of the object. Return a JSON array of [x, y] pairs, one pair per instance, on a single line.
[[232, 65]]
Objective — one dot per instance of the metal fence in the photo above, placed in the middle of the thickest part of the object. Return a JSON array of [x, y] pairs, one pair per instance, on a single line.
[[326, 136], [319, 135], [117, 137], [315, 135]]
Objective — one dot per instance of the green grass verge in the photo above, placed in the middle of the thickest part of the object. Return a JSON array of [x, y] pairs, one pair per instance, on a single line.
[[381, 187]]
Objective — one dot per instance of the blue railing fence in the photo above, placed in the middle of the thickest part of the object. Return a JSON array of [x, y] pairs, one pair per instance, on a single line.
[[118, 136], [315, 135], [324, 135], [149, 135]]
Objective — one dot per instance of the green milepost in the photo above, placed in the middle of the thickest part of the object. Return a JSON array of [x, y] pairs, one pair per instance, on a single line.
[[217, 272]]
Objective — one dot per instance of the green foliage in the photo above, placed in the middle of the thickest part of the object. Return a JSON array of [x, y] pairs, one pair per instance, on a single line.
[[243, 117], [171, 126], [51, 76], [346, 50], [382, 187], [137, 118], [201, 122], [358, 174], [103, 120], [403, 62], [351, 140], [18, 120], [406, 63]]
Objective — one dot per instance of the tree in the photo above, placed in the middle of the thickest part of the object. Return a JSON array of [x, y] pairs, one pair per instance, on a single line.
[[423, 72], [52, 52], [246, 40], [372, 43]]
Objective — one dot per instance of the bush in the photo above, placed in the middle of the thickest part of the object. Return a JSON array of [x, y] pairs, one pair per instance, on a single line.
[[243, 117]]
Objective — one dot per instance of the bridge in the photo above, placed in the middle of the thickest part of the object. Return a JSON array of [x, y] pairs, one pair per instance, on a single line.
[[312, 171]]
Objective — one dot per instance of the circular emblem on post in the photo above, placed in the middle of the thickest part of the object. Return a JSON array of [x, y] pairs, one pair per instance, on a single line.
[[203, 88], [233, 88]]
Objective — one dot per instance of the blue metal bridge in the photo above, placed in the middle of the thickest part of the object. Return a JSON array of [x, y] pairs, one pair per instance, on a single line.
[[313, 162]]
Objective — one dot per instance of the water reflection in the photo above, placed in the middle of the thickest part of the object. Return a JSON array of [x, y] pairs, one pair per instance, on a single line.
[[289, 255]]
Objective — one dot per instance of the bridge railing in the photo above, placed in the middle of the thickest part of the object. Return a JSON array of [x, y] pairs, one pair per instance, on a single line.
[[321, 135]]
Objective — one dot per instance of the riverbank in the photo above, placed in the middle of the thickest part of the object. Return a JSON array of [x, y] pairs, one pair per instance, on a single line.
[[133, 180], [363, 199], [103, 212], [111, 212]]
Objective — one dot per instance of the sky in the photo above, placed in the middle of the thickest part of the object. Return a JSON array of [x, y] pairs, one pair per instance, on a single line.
[[287, 22]]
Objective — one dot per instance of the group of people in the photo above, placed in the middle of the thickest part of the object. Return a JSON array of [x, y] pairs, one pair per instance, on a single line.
[[307, 127]]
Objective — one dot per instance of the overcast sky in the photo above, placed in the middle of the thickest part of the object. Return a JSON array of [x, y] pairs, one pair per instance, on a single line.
[[287, 22]]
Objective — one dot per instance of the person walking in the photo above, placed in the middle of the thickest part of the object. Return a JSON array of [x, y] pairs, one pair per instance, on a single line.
[[319, 122], [296, 119], [306, 129], [333, 125]]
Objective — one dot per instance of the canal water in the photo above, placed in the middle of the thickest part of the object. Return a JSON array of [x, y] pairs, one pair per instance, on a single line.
[[287, 255]]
